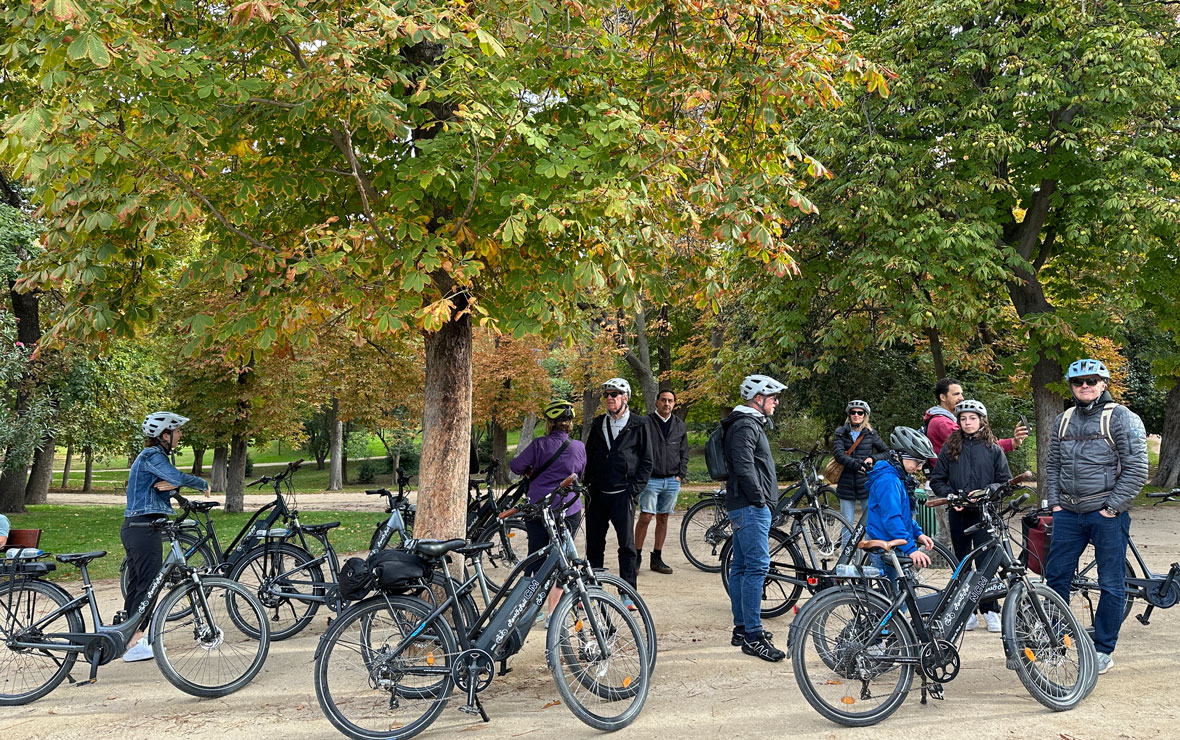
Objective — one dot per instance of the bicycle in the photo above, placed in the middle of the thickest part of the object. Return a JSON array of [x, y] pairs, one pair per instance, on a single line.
[[855, 649], [196, 631], [387, 666], [395, 503], [485, 524]]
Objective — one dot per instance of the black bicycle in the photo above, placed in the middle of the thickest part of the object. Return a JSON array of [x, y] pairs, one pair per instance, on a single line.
[[855, 648], [209, 634], [387, 666]]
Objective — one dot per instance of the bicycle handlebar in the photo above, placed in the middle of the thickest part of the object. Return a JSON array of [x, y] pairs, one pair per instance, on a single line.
[[1164, 494]]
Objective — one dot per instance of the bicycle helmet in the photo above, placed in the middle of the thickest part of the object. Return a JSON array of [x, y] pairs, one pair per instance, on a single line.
[[911, 443], [1086, 367], [617, 384], [161, 421], [857, 404], [972, 406], [559, 410], [765, 385]]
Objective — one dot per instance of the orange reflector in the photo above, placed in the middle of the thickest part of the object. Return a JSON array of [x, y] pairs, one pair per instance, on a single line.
[[848, 700], [1028, 653], [627, 682], [578, 625], [511, 535], [430, 659], [1068, 641]]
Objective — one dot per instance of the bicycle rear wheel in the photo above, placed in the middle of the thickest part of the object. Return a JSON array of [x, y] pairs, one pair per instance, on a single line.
[[703, 532], [205, 651], [778, 595], [511, 544], [283, 577], [381, 673], [647, 624], [825, 530], [598, 659], [1084, 592], [196, 553], [27, 674], [848, 670], [1059, 677]]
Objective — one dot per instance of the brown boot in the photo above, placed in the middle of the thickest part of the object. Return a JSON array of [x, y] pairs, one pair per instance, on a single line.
[[658, 564]]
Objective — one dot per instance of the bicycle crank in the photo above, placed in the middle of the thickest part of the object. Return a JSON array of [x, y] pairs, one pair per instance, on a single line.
[[939, 661]]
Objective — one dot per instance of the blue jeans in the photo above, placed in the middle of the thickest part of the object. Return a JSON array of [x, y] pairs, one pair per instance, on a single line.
[[1071, 533], [747, 570], [659, 496], [848, 511]]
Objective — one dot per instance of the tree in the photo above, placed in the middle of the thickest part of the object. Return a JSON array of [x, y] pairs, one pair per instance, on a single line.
[[421, 168], [509, 382]]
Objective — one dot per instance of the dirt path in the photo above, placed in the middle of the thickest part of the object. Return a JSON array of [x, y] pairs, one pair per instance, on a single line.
[[702, 688]]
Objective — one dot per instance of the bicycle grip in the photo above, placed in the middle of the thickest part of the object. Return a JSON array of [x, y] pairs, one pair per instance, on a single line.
[[935, 502], [509, 512]]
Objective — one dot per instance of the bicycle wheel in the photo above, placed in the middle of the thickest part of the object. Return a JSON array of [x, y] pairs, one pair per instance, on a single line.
[[1058, 677], [27, 674], [196, 553], [778, 594], [598, 659], [511, 545], [937, 575], [646, 624], [206, 652], [283, 577], [824, 530], [848, 670], [1084, 592], [381, 673], [703, 531]]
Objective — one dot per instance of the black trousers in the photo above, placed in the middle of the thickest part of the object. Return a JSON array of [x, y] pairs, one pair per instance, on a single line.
[[145, 556], [539, 536], [606, 510], [963, 543]]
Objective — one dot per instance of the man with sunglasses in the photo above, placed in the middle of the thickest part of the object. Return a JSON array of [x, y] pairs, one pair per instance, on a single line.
[[1096, 465], [618, 464]]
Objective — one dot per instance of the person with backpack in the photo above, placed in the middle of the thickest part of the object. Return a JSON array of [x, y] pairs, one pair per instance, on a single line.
[[939, 421], [751, 491], [853, 445], [1097, 464], [891, 485], [618, 464], [970, 460]]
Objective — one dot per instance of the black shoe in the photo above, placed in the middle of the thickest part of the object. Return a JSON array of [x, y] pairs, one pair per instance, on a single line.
[[763, 648], [740, 637], [659, 566]]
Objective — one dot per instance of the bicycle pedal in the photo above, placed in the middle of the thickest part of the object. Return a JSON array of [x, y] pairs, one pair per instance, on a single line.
[[468, 709]]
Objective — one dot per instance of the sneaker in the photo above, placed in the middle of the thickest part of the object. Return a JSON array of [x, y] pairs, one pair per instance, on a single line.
[[1105, 662], [739, 637], [972, 623], [993, 621], [763, 648], [627, 602], [141, 650]]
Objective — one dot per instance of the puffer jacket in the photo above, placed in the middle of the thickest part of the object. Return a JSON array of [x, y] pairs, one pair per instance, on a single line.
[[851, 485], [977, 467], [1082, 471], [753, 479], [889, 514]]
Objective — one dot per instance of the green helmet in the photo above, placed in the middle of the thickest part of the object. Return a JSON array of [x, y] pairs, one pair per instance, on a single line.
[[559, 410]]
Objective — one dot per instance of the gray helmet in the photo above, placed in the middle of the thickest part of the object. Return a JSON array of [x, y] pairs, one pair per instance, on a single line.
[[161, 421], [972, 406], [1082, 368], [857, 404], [911, 443], [754, 385], [617, 384]]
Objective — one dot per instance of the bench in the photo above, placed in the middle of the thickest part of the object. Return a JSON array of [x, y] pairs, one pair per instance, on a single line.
[[23, 538]]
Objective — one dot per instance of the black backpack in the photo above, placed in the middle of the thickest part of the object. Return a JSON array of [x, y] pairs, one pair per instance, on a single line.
[[355, 580], [715, 454]]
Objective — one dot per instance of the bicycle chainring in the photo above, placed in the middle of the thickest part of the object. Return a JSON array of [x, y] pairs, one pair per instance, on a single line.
[[939, 661], [473, 666]]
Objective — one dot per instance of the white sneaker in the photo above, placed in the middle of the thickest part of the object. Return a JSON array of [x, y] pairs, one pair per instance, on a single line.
[[993, 621], [141, 650], [972, 623]]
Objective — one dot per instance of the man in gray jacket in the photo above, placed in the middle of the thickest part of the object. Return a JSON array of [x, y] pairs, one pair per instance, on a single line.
[[1097, 464]]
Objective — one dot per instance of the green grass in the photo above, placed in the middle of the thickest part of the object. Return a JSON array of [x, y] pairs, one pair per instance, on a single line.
[[67, 529], [275, 452], [307, 480]]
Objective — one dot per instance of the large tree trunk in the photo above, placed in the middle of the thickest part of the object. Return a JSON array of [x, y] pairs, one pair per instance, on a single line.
[[640, 362], [936, 353], [446, 431], [528, 429], [65, 468], [27, 311], [1167, 475], [217, 475], [37, 489], [500, 453], [12, 490], [335, 447], [1047, 405], [88, 479], [198, 460], [590, 397], [664, 351], [235, 488]]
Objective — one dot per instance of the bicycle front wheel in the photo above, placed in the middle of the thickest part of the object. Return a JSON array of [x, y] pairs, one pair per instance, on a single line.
[[381, 673], [822, 533], [27, 674], [778, 593], [646, 623], [205, 651], [598, 658], [1057, 675], [703, 532], [849, 670], [1084, 592], [287, 581]]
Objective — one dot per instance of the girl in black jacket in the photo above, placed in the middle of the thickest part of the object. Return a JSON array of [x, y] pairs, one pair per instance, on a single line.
[[855, 430], [970, 460]]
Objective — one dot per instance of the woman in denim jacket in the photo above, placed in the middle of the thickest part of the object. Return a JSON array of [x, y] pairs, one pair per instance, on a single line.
[[149, 486]]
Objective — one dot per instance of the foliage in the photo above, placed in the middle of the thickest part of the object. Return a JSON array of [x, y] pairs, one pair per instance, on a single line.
[[508, 379], [20, 432]]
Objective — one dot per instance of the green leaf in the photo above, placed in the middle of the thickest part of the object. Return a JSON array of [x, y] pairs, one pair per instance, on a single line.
[[97, 51]]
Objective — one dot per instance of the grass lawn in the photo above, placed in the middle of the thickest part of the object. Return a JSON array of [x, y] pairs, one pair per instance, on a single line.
[[67, 529], [307, 480]]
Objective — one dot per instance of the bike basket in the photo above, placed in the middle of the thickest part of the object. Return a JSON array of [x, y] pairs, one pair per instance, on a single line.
[[394, 570], [355, 580], [1037, 531]]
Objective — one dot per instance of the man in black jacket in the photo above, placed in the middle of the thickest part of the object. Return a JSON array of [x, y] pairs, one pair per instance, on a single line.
[[669, 452], [618, 464]]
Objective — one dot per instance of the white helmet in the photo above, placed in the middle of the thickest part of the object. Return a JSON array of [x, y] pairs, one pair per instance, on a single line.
[[857, 404], [974, 407], [161, 421], [617, 384], [753, 385]]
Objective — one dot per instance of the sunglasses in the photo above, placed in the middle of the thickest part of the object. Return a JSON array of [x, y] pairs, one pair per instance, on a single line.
[[612, 394], [1079, 382], [856, 412]]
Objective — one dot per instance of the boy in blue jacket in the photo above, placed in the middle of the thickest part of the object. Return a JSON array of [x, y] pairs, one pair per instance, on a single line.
[[890, 516]]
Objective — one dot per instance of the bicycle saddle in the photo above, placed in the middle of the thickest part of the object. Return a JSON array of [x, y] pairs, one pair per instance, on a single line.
[[436, 548], [879, 545], [203, 505], [319, 528], [81, 558]]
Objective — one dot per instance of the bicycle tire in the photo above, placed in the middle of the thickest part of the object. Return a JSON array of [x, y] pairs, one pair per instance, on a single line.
[[356, 681], [199, 653], [646, 623], [826, 530], [276, 568], [1072, 669], [197, 554], [778, 596], [511, 545], [595, 683], [1084, 592], [703, 532], [834, 668], [28, 675]]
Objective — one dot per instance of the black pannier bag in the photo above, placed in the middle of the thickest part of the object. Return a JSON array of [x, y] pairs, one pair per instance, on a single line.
[[355, 580], [397, 570]]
